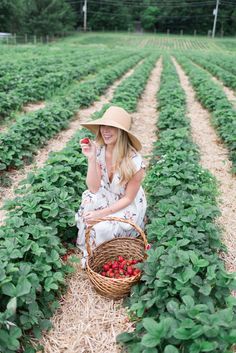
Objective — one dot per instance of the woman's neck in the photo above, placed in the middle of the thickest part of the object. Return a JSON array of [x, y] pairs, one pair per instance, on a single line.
[[109, 149]]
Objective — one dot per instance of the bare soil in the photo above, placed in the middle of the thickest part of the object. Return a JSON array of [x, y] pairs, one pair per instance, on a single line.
[[32, 107]]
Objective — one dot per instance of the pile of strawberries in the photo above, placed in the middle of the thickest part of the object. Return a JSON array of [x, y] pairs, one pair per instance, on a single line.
[[120, 268]]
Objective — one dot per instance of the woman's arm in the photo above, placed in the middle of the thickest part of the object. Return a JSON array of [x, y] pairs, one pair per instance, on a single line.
[[130, 193], [93, 179]]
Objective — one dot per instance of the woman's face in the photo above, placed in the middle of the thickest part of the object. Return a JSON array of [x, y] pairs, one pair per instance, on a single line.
[[109, 134]]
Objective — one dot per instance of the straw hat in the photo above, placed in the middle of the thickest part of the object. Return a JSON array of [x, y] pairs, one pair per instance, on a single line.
[[115, 117]]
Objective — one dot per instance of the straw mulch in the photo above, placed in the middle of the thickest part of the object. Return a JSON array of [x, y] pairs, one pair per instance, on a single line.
[[86, 321]]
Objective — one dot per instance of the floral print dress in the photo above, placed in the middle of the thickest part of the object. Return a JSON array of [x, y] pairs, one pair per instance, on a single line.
[[107, 195]]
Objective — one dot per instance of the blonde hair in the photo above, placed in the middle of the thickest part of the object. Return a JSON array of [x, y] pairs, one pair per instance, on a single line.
[[122, 156]]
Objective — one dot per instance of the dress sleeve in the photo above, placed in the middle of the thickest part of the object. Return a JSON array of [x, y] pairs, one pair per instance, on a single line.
[[138, 162]]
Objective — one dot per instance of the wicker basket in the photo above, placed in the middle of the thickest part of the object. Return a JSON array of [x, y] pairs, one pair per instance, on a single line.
[[128, 247]]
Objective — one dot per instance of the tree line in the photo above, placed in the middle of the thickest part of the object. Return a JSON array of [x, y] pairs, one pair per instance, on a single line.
[[42, 17]]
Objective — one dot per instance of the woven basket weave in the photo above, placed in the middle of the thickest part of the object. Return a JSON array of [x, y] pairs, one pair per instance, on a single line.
[[128, 247]]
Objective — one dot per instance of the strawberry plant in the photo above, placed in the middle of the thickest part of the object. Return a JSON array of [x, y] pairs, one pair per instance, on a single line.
[[130, 90], [226, 77], [183, 302], [39, 221], [28, 88], [214, 99], [18, 144]]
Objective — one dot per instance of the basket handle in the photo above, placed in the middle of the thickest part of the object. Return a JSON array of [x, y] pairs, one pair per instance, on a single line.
[[87, 232]]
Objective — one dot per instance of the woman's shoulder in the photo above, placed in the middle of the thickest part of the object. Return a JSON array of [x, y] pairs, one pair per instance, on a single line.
[[138, 160]]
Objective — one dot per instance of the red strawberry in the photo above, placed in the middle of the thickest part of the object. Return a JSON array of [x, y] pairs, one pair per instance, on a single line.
[[136, 272], [120, 259], [106, 267], [64, 257], [115, 265], [129, 270], [85, 140]]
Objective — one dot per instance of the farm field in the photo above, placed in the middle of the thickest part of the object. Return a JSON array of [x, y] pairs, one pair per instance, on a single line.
[[181, 93]]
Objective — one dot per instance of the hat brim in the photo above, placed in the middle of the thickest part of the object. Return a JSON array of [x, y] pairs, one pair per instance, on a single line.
[[94, 128]]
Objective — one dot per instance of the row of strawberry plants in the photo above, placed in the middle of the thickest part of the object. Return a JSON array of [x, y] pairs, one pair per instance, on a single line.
[[226, 62], [23, 139], [32, 273], [183, 302], [214, 99], [44, 87], [14, 61], [226, 77], [39, 219], [130, 90], [17, 72]]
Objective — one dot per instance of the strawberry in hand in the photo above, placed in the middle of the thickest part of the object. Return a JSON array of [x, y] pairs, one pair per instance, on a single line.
[[85, 141]]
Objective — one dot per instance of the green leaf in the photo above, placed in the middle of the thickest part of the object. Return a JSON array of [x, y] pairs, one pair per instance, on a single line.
[[150, 340], [150, 325], [23, 287], [9, 289], [195, 348], [124, 337], [2, 274], [11, 306], [205, 289], [182, 333], [172, 306], [202, 263], [37, 332], [16, 254], [75, 259], [188, 301], [208, 346], [171, 349], [231, 301], [232, 337], [150, 350]]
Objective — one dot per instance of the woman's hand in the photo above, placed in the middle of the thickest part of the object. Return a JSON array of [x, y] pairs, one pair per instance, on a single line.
[[88, 149], [91, 216]]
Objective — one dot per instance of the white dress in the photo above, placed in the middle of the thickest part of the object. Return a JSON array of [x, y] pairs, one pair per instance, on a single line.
[[107, 195]]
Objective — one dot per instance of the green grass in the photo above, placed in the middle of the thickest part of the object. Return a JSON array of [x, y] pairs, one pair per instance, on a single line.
[[154, 41], [167, 43]]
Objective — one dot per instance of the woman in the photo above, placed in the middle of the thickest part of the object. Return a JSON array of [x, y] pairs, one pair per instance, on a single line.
[[114, 176]]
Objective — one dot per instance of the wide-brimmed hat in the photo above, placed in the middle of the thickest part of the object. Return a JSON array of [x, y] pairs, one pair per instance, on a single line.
[[115, 117]]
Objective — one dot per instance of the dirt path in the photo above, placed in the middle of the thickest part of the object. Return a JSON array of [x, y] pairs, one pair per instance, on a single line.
[[87, 322], [144, 120], [230, 94], [33, 107], [56, 144], [214, 157]]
